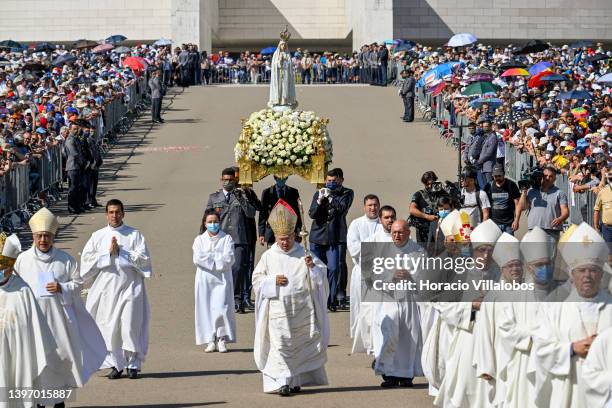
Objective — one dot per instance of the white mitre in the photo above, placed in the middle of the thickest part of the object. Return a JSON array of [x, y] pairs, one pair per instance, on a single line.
[[44, 221], [535, 246], [10, 248], [507, 249], [486, 233], [451, 224], [585, 246]]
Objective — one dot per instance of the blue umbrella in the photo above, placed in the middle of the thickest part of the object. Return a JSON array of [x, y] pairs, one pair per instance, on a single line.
[[575, 95], [438, 72], [554, 78], [267, 51], [539, 67], [115, 39], [407, 46], [605, 79], [493, 102], [162, 42]]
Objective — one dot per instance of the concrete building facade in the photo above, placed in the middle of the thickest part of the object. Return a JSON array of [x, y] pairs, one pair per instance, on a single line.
[[338, 24]]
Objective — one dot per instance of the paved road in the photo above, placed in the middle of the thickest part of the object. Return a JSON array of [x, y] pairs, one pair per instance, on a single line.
[[164, 173]]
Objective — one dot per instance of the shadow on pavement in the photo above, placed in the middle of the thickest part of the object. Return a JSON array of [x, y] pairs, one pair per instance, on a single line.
[[356, 388], [181, 374], [185, 405]]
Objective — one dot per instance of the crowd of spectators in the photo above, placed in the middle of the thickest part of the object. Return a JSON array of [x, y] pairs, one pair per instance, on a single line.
[[49, 92], [564, 123]]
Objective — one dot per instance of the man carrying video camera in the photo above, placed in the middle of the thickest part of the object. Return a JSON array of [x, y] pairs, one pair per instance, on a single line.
[[423, 209], [546, 203]]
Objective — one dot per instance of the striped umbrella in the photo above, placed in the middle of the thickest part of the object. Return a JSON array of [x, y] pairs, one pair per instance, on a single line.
[[515, 72]]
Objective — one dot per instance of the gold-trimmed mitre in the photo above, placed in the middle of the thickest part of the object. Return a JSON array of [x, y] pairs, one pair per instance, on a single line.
[[282, 218], [44, 221], [10, 248]]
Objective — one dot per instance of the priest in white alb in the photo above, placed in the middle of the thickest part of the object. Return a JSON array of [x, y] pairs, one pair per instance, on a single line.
[[54, 278], [597, 372], [566, 330], [360, 229], [291, 323], [213, 256], [117, 257], [396, 329], [362, 333]]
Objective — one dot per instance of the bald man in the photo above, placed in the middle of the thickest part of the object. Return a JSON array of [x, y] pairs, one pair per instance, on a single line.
[[396, 330]]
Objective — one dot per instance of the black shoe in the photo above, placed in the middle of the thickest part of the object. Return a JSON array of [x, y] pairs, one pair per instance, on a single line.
[[115, 374], [160, 120], [284, 391], [332, 308], [97, 204], [240, 309], [247, 304], [295, 390], [236, 306], [405, 382], [389, 384], [132, 373], [374, 364], [60, 405]]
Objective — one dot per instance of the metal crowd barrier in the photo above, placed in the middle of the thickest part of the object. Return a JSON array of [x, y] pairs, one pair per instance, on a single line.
[[318, 74], [24, 182], [580, 204]]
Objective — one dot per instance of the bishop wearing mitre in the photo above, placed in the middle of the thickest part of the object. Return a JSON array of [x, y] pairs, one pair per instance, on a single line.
[[54, 278], [292, 327]]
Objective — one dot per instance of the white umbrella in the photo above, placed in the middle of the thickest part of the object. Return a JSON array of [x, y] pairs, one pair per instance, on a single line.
[[462, 39], [162, 42], [607, 78]]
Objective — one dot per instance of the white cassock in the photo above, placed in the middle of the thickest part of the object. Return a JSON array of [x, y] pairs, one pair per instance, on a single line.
[[75, 332], [362, 335], [213, 257], [597, 372], [117, 299], [396, 331], [28, 352], [561, 324], [292, 326], [360, 229]]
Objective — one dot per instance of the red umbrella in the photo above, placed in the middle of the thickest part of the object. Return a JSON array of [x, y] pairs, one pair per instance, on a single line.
[[102, 48], [536, 80], [137, 64]]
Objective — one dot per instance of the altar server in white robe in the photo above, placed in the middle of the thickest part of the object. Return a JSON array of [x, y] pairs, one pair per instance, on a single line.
[[396, 330], [54, 278], [213, 256], [117, 257], [360, 229], [597, 372], [362, 334], [292, 327], [459, 386], [567, 329]]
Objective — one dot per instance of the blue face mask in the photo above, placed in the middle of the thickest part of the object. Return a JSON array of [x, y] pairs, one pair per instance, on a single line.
[[466, 251], [3, 274], [443, 213], [332, 185], [280, 183], [213, 227], [543, 273]]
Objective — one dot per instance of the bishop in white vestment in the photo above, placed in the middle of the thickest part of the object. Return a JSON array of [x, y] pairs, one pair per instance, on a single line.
[[360, 229], [213, 256], [396, 329], [292, 327], [54, 278], [567, 329], [29, 357], [117, 257]]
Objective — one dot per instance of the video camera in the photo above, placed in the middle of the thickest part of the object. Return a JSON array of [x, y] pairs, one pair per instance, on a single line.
[[449, 189], [531, 178]]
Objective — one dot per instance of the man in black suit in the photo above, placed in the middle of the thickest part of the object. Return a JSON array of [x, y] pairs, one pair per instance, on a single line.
[[383, 59], [407, 94], [269, 198], [234, 208], [328, 232]]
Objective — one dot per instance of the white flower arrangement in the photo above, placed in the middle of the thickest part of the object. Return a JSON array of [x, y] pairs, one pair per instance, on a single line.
[[287, 138]]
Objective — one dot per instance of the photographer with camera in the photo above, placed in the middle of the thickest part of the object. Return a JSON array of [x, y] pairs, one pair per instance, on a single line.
[[474, 201], [423, 210], [235, 211], [546, 203]]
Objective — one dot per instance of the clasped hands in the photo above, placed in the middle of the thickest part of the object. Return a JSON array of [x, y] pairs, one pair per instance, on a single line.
[[281, 280]]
